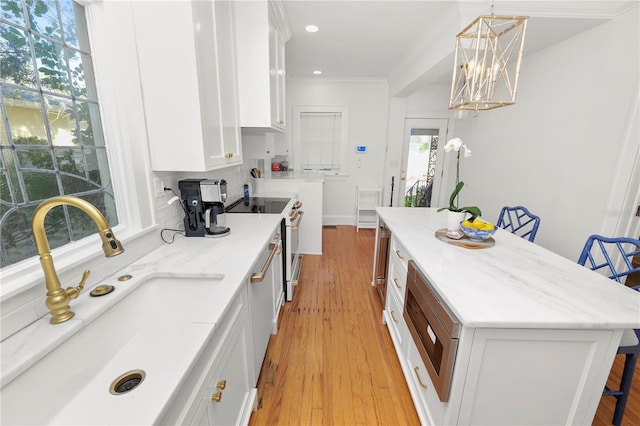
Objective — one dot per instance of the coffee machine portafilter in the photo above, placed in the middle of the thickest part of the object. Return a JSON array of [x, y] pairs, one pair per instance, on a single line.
[[204, 207]]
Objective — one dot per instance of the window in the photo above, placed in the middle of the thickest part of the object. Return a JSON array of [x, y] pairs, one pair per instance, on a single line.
[[322, 135], [51, 138]]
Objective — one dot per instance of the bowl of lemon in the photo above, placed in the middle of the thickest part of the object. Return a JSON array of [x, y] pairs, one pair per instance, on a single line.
[[478, 230]]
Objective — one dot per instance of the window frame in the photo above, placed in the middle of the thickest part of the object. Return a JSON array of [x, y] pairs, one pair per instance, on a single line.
[[125, 140], [298, 110]]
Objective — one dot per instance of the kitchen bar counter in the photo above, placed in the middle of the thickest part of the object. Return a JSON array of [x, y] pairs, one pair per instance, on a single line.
[[514, 284], [538, 332]]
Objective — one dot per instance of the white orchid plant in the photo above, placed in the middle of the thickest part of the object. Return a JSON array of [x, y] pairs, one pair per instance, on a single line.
[[456, 144]]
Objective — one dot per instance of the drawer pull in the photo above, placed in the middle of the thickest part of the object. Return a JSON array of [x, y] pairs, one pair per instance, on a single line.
[[393, 317], [418, 376], [221, 384], [398, 254], [216, 397], [395, 281]]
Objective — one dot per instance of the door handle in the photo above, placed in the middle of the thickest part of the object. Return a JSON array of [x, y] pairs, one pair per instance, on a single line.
[[258, 277], [297, 226]]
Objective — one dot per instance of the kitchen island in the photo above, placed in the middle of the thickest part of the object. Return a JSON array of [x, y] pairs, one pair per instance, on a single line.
[[538, 332]]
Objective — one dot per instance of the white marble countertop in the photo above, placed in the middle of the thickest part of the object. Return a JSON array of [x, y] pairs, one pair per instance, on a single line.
[[515, 284], [74, 392]]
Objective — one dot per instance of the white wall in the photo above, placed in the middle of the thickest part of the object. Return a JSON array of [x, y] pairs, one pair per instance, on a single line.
[[368, 114], [557, 150]]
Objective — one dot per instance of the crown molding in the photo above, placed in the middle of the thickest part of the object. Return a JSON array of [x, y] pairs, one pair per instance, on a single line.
[[593, 9]]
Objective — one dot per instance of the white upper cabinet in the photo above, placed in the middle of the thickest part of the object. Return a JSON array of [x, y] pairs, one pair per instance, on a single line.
[[186, 55], [261, 33]]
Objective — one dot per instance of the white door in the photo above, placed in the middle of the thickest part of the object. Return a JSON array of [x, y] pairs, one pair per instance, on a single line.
[[421, 168]]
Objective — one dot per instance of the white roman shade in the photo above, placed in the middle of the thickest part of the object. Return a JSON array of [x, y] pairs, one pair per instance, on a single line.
[[320, 135]]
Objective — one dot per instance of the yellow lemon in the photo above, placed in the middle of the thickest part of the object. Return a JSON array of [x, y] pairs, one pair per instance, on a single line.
[[488, 227], [466, 223], [477, 224]]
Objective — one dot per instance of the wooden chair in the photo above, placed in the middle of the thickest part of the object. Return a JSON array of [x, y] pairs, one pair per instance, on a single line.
[[597, 255], [520, 221]]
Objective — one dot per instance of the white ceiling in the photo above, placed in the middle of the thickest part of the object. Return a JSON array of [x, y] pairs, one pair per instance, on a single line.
[[372, 39]]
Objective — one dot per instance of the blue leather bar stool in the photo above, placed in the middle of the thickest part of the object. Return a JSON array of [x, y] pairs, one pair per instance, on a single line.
[[596, 255], [520, 221]]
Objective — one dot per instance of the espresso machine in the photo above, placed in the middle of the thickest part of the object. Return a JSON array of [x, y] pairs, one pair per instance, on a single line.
[[203, 200]]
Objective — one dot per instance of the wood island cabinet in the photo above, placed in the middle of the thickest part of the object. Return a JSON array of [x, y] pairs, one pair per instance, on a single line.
[[187, 63]]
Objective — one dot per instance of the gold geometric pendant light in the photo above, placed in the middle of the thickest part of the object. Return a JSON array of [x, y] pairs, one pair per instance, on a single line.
[[487, 63]]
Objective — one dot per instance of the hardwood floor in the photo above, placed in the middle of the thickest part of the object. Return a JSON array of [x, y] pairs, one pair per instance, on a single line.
[[333, 362]]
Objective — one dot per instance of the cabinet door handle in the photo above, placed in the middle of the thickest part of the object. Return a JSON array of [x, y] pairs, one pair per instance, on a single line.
[[399, 255], [268, 152], [258, 277], [216, 397], [393, 317], [395, 281], [221, 384], [418, 376]]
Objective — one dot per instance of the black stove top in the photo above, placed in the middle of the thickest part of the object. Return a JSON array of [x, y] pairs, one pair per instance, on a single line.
[[258, 205]]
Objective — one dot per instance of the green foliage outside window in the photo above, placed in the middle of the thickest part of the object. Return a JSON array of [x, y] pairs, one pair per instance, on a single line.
[[51, 140]]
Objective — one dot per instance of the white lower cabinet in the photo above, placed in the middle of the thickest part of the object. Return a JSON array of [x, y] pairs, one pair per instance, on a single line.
[[226, 395], [261, 303], [218, 390], [396, 323], [430, 409], [503, 375]]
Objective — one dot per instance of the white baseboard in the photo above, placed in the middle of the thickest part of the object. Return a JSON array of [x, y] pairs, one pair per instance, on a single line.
[[339, 220]]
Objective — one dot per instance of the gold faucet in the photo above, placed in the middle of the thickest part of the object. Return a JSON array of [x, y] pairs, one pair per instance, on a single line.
[[57, 298]]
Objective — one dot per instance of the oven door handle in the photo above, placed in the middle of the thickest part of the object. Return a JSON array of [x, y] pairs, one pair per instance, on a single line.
[[258, 277], [296, 227]]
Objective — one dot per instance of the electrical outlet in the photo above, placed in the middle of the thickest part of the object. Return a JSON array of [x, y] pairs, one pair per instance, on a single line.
[[158, 187]]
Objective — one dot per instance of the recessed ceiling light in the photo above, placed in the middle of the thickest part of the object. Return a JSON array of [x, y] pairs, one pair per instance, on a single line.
[[311, 28], [317, 72]]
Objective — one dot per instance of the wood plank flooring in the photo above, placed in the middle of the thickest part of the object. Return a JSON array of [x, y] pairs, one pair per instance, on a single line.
[[333, 362]]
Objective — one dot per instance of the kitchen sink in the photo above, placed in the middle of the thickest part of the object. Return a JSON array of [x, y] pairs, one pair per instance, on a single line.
[[157, 329]]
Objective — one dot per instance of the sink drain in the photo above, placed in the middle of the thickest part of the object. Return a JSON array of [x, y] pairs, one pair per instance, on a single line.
[[127, 382]]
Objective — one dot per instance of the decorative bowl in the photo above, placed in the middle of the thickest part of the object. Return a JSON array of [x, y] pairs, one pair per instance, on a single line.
[[478, 234]]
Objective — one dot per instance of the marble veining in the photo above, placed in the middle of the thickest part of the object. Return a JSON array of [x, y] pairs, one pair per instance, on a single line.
[[515, 284]]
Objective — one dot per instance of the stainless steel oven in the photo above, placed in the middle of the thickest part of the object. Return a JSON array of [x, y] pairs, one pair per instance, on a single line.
[[434, 328]]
